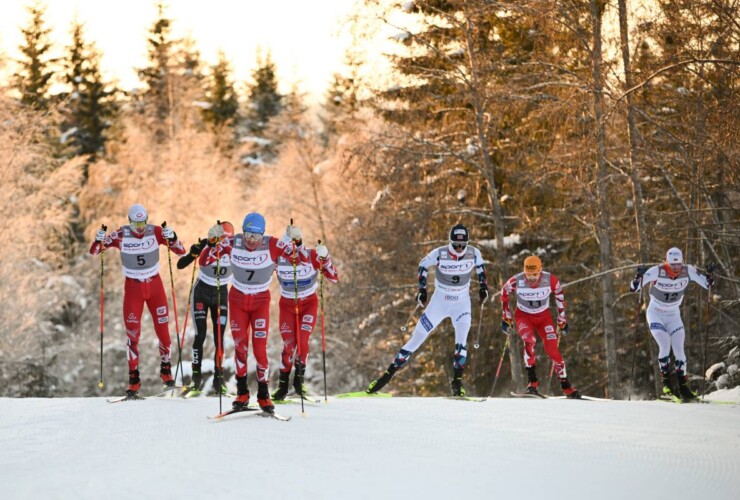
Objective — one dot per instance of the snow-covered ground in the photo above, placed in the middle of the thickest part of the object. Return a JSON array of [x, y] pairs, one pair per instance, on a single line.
[[398, 447]]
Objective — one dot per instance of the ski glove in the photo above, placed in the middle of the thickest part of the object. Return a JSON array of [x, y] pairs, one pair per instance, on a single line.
[[293, 233], [100, 235], [563, 329], [507, 326], [322, 252], [483, 293], [710, 280], [710, 274], [196, 248], [169, 234], [421, 297]]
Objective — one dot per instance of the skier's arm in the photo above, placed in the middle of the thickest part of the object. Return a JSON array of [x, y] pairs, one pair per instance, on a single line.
[[111, 240], [482, 280], [643, 276], [508, 288], [324, 264], [195, 250], [699, 278], [174, 243], [557, 291]]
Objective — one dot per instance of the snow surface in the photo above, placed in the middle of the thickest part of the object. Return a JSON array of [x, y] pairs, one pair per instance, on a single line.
[[86, 448]]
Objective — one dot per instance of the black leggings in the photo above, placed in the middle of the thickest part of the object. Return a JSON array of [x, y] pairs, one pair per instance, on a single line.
[[206, 298]]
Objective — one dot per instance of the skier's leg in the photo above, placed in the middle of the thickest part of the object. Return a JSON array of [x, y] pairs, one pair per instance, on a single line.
[[199, 311], [259, 318], [156, 302], [288, 334], [133, 306], [678, 336], [461, 319], [660, 333], [526, 330], [239, 331]]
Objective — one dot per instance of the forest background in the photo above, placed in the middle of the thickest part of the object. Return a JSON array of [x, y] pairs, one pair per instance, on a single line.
[[593, 134]]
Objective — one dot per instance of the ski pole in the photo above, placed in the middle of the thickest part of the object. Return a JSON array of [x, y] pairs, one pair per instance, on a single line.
[[710, 271], [300, 373], [413, 313], [480, 323], [634, 334], [552, 370], [187, 309], [323, 335], [174, 300], [219, 348], [102, 302], [500, 362]]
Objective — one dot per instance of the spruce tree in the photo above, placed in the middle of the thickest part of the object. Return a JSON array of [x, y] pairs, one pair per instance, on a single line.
[[91, 102], [221, 95], [36, 68], [264, 100]]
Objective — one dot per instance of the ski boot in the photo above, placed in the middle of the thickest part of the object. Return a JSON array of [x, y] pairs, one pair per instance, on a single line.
[[134, 383], [668, 390], [381, 382], [196, 381], [263, 398], [569, 391], [218, 382], [456, 384], [165, 373], [533, 383], [282, 389], [242, 394], [687, 395], [300, 371]]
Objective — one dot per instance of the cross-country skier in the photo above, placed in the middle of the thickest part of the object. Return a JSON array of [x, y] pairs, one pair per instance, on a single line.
[[299, 304], [455, 265], [669, 282], [532, 289], [209, 294], [254, 256], [139, 244]]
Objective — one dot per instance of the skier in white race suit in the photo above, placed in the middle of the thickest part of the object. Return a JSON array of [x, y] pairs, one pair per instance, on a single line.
[[455, 265], [668, 285]]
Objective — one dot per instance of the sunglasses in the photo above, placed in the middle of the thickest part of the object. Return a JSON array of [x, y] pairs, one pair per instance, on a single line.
[[459, 246], [252, 237], [138, 224]]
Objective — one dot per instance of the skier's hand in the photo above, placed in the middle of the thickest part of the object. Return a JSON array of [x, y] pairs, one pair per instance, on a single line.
[[710, 280], [507, 326], [294, 233], [196, 248], [322, 252], [169, 234], [483, 293], [641, 269], [421, 297], [562, 328], [100, 235]]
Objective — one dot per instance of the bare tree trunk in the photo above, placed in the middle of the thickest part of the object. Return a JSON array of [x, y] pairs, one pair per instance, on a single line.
[[635, 162], [603, 223], [488, 171]]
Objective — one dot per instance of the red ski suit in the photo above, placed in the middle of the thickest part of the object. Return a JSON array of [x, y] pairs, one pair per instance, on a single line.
[[140, 259], [249, 299], [299, 302], [533, 315]]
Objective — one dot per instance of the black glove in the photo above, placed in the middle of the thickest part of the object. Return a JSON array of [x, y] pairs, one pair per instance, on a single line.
[[421, 297], [483, 293], [710, 280], [640, 271], [507, 326], [196, 248]]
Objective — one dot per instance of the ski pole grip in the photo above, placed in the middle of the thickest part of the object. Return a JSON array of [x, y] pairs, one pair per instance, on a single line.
[[104, 227], [164, 224]]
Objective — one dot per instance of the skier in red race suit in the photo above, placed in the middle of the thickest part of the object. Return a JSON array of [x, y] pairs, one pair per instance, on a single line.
[[532, 289], [253, 258], [298, 276], [139, 244]]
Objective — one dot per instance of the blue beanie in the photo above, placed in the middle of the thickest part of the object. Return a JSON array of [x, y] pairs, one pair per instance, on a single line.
[[254, 223]]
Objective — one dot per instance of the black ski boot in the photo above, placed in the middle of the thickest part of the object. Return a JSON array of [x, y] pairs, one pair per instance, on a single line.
[[300, 372], [165, 373], [532, 384], [283, 384], [687, 395], [196, 381], [218, 381], [456, 384], [242, 394], [668, 389], [381, 382], [263, 398], [134, 383]]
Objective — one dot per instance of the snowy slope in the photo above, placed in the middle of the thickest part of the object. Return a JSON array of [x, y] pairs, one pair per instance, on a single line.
[[370, 448]]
